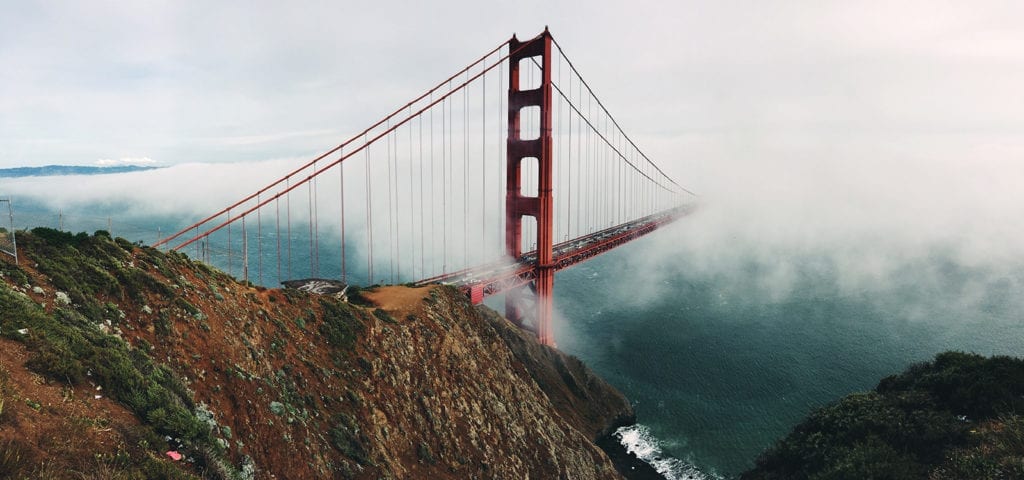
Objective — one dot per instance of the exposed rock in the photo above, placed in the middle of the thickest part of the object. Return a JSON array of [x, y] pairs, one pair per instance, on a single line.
[[418, 384]]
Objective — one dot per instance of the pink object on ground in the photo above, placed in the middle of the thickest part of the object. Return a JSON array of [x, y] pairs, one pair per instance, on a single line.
[[174, 455]]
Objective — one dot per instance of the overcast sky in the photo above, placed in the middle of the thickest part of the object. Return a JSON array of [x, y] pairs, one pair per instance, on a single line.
[[699, 84]]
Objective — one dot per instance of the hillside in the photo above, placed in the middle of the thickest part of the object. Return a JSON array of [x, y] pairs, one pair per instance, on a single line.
[[957, 417], [113, 355], [60, 170]]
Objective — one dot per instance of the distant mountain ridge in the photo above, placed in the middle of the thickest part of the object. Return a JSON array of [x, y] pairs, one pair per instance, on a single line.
[[60, 170]]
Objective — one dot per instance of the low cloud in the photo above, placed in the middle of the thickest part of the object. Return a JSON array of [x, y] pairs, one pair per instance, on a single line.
[[126, 161]]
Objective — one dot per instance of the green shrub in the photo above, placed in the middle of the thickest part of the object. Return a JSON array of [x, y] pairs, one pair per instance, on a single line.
[[54, 237], [345, 436], [355, 296], [124, 244], [15, 274], [383, 315], [341, 326], [186, 306], [424, 454], [928, 421], [967, 384]]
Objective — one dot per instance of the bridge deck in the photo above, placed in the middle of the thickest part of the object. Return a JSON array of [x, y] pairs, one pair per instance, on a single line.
[[495, 277]]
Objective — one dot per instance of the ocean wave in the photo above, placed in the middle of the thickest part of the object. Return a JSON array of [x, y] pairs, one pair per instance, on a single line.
[[638, 440]]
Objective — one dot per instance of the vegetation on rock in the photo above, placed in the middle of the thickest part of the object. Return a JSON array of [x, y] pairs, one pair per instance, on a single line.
[[112, 354], [956, 417]]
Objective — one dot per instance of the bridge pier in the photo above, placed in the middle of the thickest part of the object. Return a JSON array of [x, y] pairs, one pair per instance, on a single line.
[[540, 207]]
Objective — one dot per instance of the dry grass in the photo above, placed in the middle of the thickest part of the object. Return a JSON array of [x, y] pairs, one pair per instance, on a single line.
[[15, 458]]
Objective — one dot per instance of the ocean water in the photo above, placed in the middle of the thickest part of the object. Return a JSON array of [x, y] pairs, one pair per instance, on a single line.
[[722, 362], [722, 347]]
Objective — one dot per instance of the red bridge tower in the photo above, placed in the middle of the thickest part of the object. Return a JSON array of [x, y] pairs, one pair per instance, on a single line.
[[540, 207]]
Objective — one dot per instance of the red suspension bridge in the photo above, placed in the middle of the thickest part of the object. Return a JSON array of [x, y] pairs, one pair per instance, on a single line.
[[416, 196]]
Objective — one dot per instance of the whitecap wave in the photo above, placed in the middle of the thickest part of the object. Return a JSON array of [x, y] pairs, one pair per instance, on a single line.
[[638, 440]]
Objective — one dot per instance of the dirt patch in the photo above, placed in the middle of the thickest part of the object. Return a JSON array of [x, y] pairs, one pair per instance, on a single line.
[[396, 300]]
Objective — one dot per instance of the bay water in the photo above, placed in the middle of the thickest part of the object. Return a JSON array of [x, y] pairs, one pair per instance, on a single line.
[[721, 362], [723, 347]]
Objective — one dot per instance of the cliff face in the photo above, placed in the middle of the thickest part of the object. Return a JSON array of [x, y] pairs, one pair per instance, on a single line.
[[258, 383], [445, 396]]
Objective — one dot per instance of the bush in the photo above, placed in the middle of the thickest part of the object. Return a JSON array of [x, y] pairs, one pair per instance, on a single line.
[[341, 326], [424, 453], [967, 384], [347, 439], [15, 274], [55, 237], [384, 316], [912, 426]]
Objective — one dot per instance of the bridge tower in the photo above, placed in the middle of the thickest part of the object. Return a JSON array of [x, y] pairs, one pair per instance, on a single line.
[[517, 301]]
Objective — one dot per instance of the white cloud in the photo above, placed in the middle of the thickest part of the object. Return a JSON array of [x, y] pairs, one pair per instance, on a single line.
[[136, 161], [686, 71], [802, 123]]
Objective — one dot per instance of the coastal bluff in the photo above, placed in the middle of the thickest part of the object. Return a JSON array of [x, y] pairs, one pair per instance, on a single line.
[[124, 358]]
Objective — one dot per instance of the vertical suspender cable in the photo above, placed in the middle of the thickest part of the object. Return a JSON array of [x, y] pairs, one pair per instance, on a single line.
[[500, 193], [398, 217], [369, 219], [579, 163], [397, 275], [558, 229], [483, 164], [412, 217], [465, 174], [316, 224], [309, 193], [288, 218], [277, 235], [590, 172], [445, 183], [568, 175], [341, 196], [245, 252], [259, 243], [391, 245], [432, 198], [423, 231], [229, 242]]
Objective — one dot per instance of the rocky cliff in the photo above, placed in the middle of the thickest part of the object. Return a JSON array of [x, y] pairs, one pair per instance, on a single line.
[[113, 355]]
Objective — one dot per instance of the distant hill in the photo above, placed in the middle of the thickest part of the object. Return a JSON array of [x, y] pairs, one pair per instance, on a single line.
[[58, 170]]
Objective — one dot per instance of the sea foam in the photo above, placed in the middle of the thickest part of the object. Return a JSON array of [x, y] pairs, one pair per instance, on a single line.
[[638, 440]]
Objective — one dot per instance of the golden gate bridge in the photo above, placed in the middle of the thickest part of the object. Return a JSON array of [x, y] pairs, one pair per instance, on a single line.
[[415, 197]]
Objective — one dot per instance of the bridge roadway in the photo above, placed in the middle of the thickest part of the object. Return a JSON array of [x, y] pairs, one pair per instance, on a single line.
[[492, 278]]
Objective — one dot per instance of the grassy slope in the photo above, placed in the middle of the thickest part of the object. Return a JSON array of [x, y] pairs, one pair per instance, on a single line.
[[69, 349], [142, 326]]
